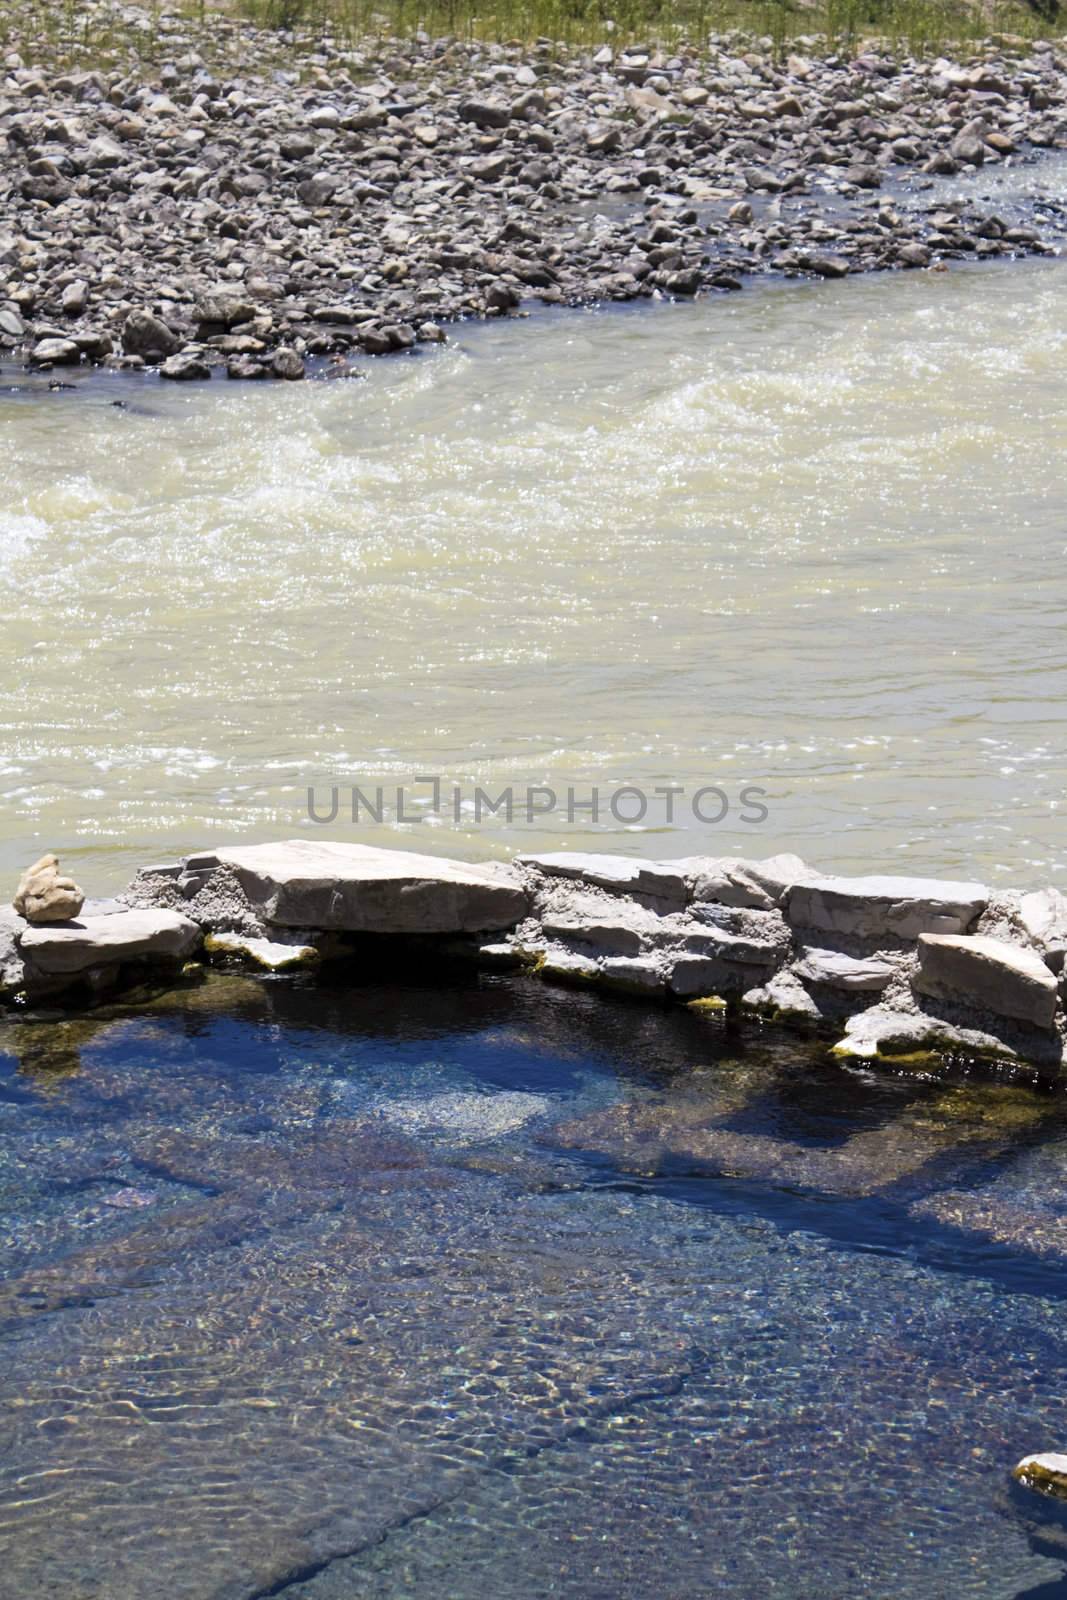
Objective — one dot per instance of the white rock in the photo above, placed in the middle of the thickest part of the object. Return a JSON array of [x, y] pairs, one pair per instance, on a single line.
[[880, 1032], [733, 881], [98, 941], [1048, 1464], [1043, 915], [722, 945], [839, 971], [633, 972], [272, 955], [989, 974], [782, 997], [867, 908], [355, 888], [697, 975], [11, 969], [661, 881], [608, 933], [568, 964]]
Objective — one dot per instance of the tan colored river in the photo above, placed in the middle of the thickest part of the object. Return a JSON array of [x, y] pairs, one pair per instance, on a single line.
[[805, 538]]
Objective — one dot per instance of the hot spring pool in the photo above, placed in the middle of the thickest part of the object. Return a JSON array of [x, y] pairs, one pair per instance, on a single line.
[[465, 1289]]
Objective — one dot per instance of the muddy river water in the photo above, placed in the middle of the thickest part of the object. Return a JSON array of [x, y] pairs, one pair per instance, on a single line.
[[807, 538]]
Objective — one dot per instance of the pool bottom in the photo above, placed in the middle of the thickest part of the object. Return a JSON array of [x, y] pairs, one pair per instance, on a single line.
[[395, 1293]]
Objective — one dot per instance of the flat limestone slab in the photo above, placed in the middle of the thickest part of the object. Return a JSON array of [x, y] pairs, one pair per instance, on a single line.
[[654, 880], [870, 908], [68, 947], [836, 971], [997, 977], [358, 888]]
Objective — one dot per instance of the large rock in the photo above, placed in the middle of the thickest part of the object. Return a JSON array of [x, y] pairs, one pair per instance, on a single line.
[[987, 974], [832, 970], [1038, 1495], [1044, 1473], [1043, 915], [872, 908], [661, 882], [881, 1034], [44, 895], [96, 941], [357, 888], [146, 335], [732, 881], [11, 968]]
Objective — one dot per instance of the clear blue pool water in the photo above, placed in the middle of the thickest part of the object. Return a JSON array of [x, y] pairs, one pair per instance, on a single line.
[[471, 1289]]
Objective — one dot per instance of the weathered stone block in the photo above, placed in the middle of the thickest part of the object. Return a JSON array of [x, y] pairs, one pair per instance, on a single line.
[[1043, 915], [355, 888], [837, 971], [636, 973], [604, 933], [1002, 978], [661, 882], [733, 881], [870, 908], [75, 947]]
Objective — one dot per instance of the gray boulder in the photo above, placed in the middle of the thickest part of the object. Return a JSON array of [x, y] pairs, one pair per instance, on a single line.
[[988, 974], [871, 908], [661, 882], [146, 335], [96, 941], [304, 883]]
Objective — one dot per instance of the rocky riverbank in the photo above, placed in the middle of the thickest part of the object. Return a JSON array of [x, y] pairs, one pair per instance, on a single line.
[[218, 198], [891, 969]]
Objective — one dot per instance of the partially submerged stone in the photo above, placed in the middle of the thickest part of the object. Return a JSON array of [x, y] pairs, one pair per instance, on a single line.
[[45, 896], [1038, 1494], [878, 907], [569, 966], [989, 974], [100, 941], [1046, 1473], [637, 974], [272, 955], [783, 998], [880, 1034], [356, 888]]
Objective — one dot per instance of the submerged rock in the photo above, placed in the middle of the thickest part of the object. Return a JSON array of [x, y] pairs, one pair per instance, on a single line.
[[881, 1034], [44, 896], [272, 955], [1038, 1494]]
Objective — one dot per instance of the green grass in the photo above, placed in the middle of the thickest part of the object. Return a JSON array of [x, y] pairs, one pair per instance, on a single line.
[[909, 25], [99, 34]]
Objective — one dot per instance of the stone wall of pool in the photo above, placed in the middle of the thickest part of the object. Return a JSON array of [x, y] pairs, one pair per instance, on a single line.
[[890, 970]]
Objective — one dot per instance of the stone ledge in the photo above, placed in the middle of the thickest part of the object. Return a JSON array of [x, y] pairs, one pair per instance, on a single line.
[[353, 888], [888, 969], [67, 948]]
